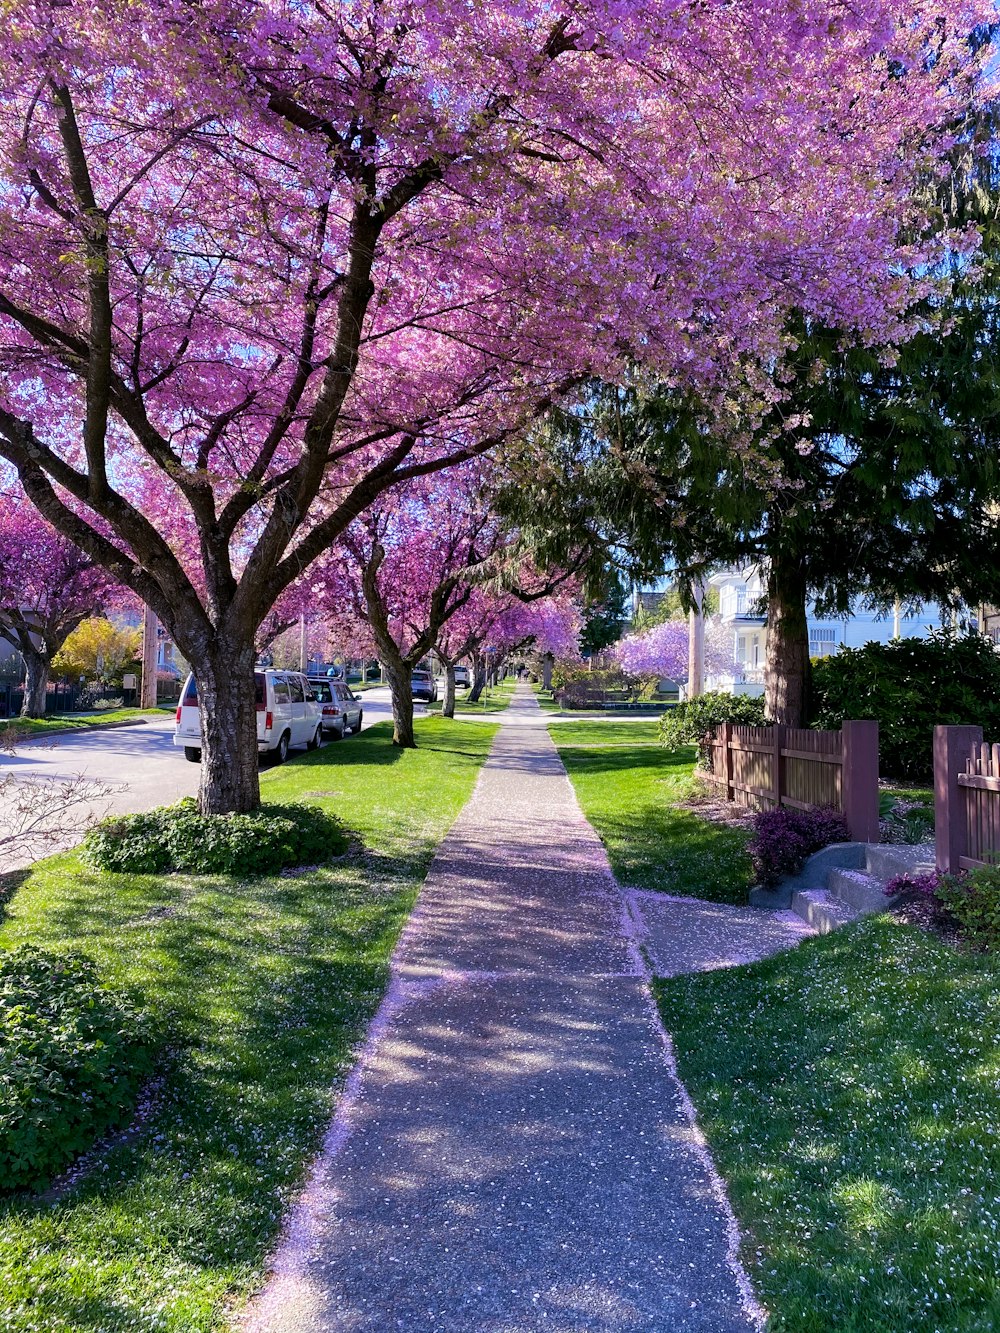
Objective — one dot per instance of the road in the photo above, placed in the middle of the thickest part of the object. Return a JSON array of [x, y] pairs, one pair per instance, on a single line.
[[139, 762]]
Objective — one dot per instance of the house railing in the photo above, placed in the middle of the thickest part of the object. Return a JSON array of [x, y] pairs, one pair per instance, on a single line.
[[966, 799], [763, 767]]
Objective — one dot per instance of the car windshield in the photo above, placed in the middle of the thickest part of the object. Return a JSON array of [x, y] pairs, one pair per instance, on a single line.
[[421, 675]]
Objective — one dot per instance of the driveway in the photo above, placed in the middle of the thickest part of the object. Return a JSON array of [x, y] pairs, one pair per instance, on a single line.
[[140, 762]]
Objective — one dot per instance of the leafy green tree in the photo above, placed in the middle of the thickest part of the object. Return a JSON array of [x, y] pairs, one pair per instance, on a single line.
[[871, 475], [604, 620]]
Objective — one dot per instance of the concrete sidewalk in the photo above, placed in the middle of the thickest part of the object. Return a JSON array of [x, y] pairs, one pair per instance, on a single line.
[[513, 1151]]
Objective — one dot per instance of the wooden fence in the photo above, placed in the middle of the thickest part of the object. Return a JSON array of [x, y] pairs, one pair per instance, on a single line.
[[761, 767], [966, 799]]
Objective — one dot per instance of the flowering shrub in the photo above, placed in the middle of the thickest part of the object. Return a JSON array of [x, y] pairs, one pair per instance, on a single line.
[[783, 838]]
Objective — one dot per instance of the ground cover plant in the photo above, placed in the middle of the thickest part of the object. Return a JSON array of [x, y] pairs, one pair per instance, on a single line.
[[178, 837], [265, 986], [849, 1092], [631, 790], [73, 1056]]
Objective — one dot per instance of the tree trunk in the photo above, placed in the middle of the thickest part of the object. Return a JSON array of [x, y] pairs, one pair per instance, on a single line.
[[400, 675], [448, 707], [230, 781], [36, 685], [478, 678], [786, 667], [547, 672]]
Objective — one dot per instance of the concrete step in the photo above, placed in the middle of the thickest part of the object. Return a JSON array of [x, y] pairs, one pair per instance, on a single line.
[[858, 889], [885, 862], [822, 910]]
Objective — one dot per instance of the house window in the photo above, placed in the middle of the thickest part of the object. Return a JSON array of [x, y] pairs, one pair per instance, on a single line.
[[822, 640]]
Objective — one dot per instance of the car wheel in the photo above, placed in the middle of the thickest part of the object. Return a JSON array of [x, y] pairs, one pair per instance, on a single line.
[[314, 743], [192, 755], [281, 753]]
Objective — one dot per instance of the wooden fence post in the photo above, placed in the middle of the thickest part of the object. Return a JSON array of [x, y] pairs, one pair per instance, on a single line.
[[777, 762], [952, 747], [859, 779], [727, 760]]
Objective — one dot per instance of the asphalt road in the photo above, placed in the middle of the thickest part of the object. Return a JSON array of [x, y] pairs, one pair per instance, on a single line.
[[139, 762]]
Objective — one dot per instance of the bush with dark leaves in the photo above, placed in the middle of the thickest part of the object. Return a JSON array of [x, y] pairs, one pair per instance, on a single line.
[[783, 838]]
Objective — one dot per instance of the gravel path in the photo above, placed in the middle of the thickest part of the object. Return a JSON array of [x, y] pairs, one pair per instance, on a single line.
[[513, 1151]]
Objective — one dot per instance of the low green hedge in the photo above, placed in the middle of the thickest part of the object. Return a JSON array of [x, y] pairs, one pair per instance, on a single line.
[[177, 837], [73, 1054], [692, 723]]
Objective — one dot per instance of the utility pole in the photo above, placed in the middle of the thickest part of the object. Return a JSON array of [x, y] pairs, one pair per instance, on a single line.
[[696, 641], [147, 691]]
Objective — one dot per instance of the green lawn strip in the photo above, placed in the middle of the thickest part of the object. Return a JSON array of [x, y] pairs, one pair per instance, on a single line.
[[39, 726], [850, 1092], [493, 701], [267, 986], [546, 702], [918, 795], [629, 793]]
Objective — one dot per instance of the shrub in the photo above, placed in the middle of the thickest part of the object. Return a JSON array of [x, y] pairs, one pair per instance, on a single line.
[[73, 1054], [972, 899], [177, 837], [783, 838], [922, 886], [693, 722], [909, 686], [108, 705]]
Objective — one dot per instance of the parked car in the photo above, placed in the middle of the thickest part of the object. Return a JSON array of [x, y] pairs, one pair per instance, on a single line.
[[341, 709], [463, 677], [423, 686], [287, 715]]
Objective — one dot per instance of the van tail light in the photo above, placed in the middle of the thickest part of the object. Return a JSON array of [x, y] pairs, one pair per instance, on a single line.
[[177, 715], [268, 721]]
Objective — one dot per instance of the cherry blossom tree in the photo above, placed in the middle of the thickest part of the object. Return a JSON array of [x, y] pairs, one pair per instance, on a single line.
[[282, 257], [663, 650], [47, 588], [540, 612]]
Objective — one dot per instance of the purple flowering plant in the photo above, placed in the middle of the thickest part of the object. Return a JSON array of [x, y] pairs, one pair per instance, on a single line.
[[783, 838]]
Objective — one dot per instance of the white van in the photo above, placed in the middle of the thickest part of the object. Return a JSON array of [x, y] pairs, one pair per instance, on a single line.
[[287, 715], [463, 676]]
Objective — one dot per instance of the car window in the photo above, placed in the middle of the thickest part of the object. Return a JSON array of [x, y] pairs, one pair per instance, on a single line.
[[191, 693], [321, 690], [260, 690], [343, 693], [280, 690], [296, 689]]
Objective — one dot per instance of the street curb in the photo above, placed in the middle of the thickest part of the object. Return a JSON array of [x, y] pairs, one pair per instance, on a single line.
[[75, 731]]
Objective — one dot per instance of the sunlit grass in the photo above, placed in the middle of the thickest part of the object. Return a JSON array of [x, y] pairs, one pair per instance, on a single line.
[[630, 794], [850, 1091], [265, 986], [39, 726]]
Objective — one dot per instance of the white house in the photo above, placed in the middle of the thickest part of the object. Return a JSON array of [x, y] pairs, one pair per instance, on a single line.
[[740, 593]]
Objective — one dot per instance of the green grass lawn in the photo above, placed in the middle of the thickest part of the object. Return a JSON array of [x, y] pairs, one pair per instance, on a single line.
[[494, 700], [38, 726], [850, 1092], [629, 789], [266, 986], [546, 702]]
